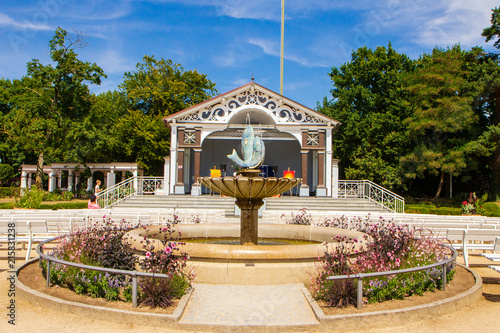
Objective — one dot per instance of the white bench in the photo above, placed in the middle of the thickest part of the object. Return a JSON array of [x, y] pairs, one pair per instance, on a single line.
[[31, 231], [473, 239], [494, 256]]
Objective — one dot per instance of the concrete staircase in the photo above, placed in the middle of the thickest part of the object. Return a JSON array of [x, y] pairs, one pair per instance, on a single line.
[[323, 204], [285, 203]]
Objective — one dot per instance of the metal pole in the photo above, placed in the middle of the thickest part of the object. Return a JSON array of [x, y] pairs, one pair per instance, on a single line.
[[282, 43], [134, 289], [48, 273], [444, 277], [359, 300]]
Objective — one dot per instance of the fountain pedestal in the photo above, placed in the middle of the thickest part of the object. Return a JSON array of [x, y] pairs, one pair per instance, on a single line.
[[249, 219]]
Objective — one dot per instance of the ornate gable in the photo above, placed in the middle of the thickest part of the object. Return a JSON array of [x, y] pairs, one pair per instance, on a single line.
[[221, 108]]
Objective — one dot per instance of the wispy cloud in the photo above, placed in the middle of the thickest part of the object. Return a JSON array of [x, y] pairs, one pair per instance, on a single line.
[[272, 48], [461, 21], [428, 22], [271, 10], [112, 62], [7, 21], [97, 10]]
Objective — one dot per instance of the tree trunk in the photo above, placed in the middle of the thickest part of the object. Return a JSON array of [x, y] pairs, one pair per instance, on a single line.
[[440, 187], [39, 171]]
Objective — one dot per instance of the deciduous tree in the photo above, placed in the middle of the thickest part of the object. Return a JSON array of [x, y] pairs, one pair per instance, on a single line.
[[368, 98]]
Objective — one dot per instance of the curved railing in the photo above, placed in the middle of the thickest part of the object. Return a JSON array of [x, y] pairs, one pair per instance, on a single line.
[[369, 190], [133, 274], [361, 276]]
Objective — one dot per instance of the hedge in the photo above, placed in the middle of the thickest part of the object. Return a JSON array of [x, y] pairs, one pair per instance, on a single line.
[[491, 209], [7, 192]]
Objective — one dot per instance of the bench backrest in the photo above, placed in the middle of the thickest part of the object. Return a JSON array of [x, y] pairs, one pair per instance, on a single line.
[[482, 234]]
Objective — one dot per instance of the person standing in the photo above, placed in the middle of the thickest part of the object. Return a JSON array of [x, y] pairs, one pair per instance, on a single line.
[[97, 188]]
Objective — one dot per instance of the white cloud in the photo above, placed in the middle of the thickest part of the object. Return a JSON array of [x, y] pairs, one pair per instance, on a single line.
[[271, 10], [429, 22], [462, 21], [113, 62], [8, 21], [272, 48]]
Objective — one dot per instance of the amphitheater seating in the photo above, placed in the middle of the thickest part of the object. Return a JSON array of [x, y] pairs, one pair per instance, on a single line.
[[30, 231]]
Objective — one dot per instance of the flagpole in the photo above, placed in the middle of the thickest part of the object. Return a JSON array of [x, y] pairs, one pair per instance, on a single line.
[[282, 43]]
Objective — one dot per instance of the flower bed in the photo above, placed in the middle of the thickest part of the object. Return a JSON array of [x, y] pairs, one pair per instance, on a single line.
[[393, 247], [101, 245]]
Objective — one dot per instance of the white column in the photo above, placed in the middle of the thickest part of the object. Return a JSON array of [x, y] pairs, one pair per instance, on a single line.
[[70, 180], [166, 176], [328, 161], [335, 178], [59, 179], [52, 181], [24, 184], [173, 157], [136, 180], [90, 181], [77, 180], [30, 180], [111, 178]]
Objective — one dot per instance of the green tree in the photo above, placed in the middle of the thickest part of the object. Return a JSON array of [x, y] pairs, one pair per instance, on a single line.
[[155, 90], [95, 136], [491, 81], [443, 117], [369, 100], [50, 99], [160, 87]]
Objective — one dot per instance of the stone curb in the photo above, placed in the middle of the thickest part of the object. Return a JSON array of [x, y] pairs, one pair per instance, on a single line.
[[99, 312], [361, 321], [396, 317]]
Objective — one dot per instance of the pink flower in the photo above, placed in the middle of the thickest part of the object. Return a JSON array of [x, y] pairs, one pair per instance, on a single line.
[[168, 250], [148, 254]]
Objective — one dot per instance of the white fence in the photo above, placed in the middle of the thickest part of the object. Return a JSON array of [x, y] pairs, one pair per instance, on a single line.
[[368, 190]]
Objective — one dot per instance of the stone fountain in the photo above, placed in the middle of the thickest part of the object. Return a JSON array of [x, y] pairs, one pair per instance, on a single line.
[[247, 187], [249, 262]]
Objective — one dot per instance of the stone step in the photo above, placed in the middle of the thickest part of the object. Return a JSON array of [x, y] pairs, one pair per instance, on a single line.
[[226, 203]]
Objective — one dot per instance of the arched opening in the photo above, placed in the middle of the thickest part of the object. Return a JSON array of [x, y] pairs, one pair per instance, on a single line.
[[282, 152]]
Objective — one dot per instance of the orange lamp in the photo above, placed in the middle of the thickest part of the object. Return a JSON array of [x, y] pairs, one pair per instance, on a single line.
[[289, 173], [215, 172]]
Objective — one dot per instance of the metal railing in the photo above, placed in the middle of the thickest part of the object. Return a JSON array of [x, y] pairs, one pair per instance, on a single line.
[[375, 193], [133, 274], [129, 187], [361, 276]]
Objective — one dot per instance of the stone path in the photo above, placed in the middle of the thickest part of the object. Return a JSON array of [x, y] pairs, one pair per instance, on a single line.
[[248, 306]]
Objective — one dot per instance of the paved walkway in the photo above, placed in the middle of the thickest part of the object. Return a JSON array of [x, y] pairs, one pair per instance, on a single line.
[[248, 306]]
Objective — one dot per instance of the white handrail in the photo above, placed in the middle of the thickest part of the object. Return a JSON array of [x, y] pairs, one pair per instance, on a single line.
[[129, 187], [375, 193]]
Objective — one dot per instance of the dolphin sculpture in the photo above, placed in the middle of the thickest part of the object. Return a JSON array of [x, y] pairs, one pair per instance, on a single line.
[[252, 149]]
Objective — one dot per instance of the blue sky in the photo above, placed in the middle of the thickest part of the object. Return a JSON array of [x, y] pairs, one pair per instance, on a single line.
[[229, 39]]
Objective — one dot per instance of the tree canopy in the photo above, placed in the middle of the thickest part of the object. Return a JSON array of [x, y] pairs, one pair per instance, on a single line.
[[49, 99], [368, 98]]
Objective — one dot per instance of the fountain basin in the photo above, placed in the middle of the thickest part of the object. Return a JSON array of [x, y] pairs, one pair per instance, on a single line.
[[250, 264], [249, 187]]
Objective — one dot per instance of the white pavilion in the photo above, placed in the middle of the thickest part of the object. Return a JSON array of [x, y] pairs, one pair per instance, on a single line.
[[296, 138]]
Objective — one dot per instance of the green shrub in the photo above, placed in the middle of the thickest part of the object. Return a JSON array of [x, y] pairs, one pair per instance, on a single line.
[[8, 192], [491, 209], [431, 209], [31, 198], [6, 205], [64, 205]]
